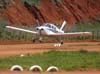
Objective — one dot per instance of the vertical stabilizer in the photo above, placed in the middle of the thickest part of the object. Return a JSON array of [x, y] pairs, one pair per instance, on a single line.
[[64, 23]]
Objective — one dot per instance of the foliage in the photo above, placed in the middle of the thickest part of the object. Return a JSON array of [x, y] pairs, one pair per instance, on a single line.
[[11, 34], [94, 28], [35, 2]]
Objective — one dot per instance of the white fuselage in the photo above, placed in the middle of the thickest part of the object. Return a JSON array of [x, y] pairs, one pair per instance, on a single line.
[[49, 29]]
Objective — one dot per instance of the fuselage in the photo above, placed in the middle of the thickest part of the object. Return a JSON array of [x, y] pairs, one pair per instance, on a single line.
[[48, 28]]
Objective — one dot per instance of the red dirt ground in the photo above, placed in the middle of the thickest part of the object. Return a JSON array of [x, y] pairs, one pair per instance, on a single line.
[[60, 72], [18, 49]]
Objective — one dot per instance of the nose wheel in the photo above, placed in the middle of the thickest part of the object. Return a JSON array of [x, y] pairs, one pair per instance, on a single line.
[[39, 39], [33, 40]]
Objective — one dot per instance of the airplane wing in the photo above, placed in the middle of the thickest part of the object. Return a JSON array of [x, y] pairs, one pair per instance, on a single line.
[[71, 34], [20, 29]]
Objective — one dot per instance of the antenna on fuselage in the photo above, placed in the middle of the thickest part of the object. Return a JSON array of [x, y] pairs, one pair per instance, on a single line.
[[64, 23]]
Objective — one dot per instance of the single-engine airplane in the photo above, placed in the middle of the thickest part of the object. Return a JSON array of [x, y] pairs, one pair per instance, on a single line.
[[50, 30]]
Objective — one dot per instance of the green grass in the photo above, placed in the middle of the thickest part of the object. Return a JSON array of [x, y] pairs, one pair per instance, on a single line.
[[95, 26], [64, 60], [35, 2]]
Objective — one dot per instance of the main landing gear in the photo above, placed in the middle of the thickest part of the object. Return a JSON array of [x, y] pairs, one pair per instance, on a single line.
[[59, 44]]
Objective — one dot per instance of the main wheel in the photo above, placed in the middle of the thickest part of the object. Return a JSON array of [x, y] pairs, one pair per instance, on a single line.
[[62, 43], [33, 40]]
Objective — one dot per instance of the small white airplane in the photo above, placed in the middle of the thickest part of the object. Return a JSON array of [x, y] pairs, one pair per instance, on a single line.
[[50, 30]]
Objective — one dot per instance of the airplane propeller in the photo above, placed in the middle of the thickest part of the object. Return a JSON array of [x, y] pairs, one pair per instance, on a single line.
[[38, 24], [39, 30], [40, 36]]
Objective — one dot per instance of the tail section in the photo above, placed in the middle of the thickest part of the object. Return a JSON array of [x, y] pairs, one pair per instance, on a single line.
[[64, 23]]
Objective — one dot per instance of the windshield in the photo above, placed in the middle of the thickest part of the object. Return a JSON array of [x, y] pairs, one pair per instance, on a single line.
[[50, 26]]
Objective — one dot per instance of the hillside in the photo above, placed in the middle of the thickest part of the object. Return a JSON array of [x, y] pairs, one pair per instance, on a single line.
[[55, 11], [16, 13]]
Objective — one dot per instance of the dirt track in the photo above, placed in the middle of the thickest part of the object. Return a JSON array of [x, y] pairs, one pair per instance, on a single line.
[[17, 49]]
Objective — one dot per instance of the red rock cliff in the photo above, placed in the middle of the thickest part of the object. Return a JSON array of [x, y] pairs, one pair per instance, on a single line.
[[16, 13], [70, 10]]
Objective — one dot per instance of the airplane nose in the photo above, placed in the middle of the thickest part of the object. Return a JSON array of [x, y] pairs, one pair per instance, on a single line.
[[42, 29], [39, 29]]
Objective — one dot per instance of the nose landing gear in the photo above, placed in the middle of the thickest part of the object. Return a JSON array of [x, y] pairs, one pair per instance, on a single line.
[[34, 40], [38, 39]]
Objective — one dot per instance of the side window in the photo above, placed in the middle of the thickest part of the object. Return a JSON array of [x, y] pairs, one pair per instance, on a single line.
[[53, 27], [49, 26]]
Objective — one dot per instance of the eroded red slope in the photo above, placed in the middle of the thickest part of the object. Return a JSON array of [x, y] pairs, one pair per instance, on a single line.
[[70, 10], [18, 14]]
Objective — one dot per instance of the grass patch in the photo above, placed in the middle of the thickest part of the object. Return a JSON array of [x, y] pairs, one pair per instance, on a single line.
[[32, 2], [64, 60]]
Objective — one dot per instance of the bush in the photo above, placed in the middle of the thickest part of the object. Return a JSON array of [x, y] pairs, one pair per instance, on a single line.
[[83, 51], [12, 34], [35, 2]]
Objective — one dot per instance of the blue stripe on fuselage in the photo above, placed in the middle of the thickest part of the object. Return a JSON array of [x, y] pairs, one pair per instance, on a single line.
[[54, 31]]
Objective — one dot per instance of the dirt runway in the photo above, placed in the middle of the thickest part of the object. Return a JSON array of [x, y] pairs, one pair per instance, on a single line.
[[17, 49]]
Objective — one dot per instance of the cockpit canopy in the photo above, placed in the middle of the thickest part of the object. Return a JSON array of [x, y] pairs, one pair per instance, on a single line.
[[49, 25]]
